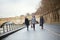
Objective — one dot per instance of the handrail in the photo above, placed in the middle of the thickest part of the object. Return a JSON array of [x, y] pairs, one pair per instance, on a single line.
[[9, 26]]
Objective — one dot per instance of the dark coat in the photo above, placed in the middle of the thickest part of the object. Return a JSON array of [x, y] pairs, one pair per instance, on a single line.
[[41, 21], [26, 21]]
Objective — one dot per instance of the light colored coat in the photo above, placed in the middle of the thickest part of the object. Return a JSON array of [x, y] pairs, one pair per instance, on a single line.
[[33, 20]]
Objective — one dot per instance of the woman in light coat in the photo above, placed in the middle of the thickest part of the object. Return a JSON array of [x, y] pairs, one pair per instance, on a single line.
[[33, 21]]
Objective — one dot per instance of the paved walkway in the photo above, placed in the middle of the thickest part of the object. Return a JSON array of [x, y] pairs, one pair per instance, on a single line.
[[55, 28], [39, 34]]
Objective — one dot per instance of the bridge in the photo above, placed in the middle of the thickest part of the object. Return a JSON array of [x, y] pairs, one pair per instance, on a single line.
[[50, 32], [50, 10]]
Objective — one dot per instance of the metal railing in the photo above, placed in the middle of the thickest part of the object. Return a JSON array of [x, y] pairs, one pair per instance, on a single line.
[[7, 27]]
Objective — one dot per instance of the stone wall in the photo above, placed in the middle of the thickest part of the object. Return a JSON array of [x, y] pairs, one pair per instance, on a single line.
[[50, 9], [52, 17]]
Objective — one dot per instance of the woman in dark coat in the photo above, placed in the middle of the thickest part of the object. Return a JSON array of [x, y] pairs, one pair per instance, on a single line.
[[27, 23], [41, 22]]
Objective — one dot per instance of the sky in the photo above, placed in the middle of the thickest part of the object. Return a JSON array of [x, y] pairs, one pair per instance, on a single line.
[[11, 8]]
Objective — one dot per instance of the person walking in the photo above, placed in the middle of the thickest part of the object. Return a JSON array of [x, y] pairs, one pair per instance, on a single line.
[[27, 23], [33, 21], [41, 22]]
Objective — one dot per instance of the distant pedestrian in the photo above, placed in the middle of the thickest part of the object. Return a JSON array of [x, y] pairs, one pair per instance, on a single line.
[[27, 23], [33, 21], [41, 22]]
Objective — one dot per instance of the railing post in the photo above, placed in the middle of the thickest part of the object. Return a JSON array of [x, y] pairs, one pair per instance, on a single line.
[[7, 27], [3, 29]]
